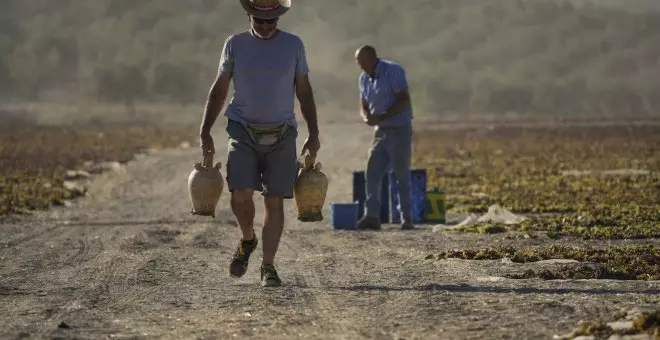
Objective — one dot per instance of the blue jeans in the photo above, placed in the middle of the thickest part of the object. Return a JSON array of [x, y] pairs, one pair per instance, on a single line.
[[391, 149]]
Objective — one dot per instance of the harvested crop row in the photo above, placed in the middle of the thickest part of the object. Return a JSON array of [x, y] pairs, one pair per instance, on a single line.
[[634, 262], [582, 177], [34, 159]]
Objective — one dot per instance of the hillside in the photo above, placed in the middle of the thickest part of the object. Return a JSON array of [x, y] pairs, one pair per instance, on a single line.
[[461, 56], [629, 5]]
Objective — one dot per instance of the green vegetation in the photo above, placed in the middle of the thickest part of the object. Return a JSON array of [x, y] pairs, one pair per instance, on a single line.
[[486, 228], [592, 183], [557, 227], [35, 159], [627, 227], [635, 262], [461, 56], [645, 323]]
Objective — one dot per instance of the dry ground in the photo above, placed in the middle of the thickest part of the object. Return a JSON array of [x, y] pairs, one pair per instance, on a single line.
[[129, 261]]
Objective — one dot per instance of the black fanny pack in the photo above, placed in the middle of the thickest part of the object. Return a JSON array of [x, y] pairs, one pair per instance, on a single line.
[[266, 134]]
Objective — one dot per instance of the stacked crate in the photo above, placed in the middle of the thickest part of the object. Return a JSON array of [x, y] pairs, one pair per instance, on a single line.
[[428, 206]]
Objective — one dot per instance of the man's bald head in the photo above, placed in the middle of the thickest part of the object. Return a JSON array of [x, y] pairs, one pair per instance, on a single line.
[[367, 58], [366, 51]]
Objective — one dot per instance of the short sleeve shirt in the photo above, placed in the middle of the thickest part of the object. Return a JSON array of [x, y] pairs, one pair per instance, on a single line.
[[380, 91], [263, 74]]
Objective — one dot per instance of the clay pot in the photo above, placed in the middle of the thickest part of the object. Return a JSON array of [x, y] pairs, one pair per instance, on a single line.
[[205, 185], [310, 190]]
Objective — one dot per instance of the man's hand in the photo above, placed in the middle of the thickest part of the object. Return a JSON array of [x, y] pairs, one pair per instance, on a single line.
[[207, 143], [365, 116], [312, 144], [368, 117], [364, 110], [373, 120]]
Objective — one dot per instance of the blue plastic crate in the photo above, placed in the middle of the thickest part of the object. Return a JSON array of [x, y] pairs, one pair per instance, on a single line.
[[418, 186], [344, 215], [360, 195]]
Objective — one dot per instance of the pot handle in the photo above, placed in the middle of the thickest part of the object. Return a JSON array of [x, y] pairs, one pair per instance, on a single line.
[[207, 159], [307, 161]]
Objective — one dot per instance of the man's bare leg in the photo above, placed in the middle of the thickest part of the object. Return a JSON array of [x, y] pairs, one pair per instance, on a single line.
[[242, 206], [271, 234], [273, 226]]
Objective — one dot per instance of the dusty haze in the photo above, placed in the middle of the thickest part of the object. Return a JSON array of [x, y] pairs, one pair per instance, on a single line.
[[84, 59]]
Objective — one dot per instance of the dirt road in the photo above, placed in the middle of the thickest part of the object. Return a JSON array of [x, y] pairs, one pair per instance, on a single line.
[[129, 261]]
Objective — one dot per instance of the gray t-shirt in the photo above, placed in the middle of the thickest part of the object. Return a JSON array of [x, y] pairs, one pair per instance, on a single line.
[[263, 73]]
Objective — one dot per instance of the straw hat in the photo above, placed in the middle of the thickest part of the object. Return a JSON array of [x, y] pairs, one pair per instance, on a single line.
[[266, 9]]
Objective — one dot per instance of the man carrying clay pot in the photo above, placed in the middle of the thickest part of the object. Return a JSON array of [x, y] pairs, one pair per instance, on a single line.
[[385, 104], [268, 68]]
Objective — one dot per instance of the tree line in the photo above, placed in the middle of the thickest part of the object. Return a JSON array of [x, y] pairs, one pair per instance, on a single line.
[[460, 56]]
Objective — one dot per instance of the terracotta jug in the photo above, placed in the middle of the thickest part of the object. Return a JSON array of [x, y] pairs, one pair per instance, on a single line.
[[205, 185], [310, 190]]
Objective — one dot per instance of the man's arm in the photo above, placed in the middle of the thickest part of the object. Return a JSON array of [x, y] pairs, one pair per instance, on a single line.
[[218, 92], [215, 101], [305, 96], [364, 109], [402, 102], [304, 92]]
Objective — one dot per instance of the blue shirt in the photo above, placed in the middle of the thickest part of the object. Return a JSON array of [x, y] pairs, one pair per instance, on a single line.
[[380, 91], [263, 74]]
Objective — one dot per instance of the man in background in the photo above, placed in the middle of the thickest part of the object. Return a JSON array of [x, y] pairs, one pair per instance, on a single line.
[[268, 67], [385, 104]]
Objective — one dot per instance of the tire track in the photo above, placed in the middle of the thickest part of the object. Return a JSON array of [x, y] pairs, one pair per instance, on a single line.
[[130, 260], [315, 268]]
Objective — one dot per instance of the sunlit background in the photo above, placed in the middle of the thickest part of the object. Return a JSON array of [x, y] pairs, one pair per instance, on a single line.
[[70, 60]]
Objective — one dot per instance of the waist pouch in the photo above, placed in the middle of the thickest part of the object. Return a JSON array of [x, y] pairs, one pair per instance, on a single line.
[[266, 134]]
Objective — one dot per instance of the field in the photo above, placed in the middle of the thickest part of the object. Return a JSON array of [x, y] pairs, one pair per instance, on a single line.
[[34, 160], [597, 183], [119, 255]]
